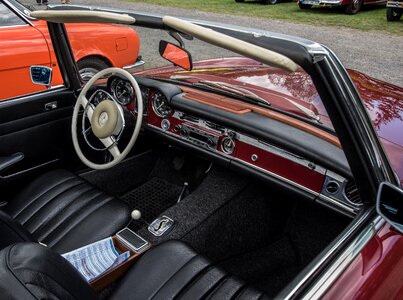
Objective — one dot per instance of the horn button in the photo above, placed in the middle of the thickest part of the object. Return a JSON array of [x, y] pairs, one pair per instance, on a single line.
[[104, 119]]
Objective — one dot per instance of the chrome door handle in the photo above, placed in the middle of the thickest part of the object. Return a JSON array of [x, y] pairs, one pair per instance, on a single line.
[[51, 105]]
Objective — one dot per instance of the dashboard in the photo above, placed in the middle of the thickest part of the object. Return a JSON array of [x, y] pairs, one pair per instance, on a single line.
[[236, 147]]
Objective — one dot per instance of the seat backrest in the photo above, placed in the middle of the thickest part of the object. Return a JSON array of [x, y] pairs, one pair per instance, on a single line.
[[12, 232], [32, 271]]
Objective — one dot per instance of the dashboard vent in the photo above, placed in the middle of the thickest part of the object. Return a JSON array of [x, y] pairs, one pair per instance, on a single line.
[[215, 126], [351, 192], [189, 118]]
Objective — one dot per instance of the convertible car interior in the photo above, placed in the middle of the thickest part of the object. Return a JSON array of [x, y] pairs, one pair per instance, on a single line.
[[216, 196]]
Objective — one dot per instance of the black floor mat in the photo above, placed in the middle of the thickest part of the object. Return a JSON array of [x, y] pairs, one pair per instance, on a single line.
[[152, 197]]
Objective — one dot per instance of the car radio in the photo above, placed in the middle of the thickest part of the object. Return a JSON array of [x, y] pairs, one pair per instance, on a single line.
[[197, 136]]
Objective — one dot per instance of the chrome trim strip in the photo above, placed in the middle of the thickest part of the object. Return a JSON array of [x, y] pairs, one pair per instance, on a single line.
[[344, 260], [19, 13], [310, 273], [138, 66], [20, 98], [335, 202], [14, 26]]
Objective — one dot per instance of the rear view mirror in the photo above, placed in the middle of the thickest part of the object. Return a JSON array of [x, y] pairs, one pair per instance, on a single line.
[[176, 55], [389, 204], [41, 75]]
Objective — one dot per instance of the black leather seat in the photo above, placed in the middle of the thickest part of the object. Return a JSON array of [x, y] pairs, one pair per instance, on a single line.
[[62, 211], [170, 270], [173, 270]]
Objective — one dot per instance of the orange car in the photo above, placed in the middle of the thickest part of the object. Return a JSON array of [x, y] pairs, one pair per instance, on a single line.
[[25, 41]]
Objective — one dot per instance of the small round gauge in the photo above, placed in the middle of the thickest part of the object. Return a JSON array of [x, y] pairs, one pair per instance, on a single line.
[[227, 145], [99, 96], [160, 105], [123, 91]]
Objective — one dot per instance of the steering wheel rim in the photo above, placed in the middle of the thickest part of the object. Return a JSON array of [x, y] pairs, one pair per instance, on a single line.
[[111, 145]]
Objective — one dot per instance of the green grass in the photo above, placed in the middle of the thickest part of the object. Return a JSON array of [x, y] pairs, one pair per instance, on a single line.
[[370, 18]]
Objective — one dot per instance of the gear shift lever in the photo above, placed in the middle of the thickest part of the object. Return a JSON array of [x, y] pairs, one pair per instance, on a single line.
[[136, 214]]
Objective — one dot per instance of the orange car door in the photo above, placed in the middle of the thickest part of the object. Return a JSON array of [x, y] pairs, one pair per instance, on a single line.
[[21, 45]]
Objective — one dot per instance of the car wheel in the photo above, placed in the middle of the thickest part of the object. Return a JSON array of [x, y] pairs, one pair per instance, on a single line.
[[354, 7], [304, 6], [270, 1], [88, 67], [393, 14]]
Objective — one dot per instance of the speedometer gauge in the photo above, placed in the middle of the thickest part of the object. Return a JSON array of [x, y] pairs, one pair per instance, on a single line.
[[160, 105], [123, 91]]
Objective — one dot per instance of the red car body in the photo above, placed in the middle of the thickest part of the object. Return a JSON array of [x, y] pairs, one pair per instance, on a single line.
[[29, 44]]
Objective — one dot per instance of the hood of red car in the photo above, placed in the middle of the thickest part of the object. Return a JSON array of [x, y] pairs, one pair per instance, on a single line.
[[382, 100]]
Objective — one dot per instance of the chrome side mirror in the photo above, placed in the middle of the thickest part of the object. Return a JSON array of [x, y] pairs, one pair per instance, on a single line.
[[41, 75], [389, 204]]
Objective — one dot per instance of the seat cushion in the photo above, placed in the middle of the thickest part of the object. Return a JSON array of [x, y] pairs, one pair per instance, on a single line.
[[65, 212], [32, 271], [174, 270]]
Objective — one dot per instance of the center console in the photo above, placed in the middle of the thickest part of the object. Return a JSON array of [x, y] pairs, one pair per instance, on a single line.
[[124, 240]]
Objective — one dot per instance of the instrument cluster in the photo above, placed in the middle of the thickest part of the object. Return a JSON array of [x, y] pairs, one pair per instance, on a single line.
[[125, 95]]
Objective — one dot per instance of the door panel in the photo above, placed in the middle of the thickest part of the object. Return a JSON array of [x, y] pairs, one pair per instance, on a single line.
[[43, 137]]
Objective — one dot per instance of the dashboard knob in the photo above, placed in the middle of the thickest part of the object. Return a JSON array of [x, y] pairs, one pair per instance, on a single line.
[[211, 143], [183, 132]]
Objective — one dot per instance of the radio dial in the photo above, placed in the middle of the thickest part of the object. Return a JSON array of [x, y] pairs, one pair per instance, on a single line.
[[183, 132]]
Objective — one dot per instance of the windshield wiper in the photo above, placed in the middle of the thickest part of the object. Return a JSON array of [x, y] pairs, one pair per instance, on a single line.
[[235, 89], [228, 88]]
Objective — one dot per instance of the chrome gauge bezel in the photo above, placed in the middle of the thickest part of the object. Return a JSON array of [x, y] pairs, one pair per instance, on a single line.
[[130, 89], [224, 147], [157, 110]]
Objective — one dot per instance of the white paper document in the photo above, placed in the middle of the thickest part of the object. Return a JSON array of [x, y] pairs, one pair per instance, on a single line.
[[94, 259]]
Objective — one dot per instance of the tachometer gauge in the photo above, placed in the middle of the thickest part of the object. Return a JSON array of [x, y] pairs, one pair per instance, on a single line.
[[160, 105], [123, 91]]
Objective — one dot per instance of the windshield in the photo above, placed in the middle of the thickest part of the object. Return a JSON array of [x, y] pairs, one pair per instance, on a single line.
[[218, 69], [23, 7]]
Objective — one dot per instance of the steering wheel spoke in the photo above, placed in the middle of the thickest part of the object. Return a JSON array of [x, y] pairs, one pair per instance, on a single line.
[[90, 109]]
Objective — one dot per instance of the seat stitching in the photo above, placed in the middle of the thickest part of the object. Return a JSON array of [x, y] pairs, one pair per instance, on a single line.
[[216, 287], [70, 214], [242, 288], [196, 279], [50, 201], [39, 196], [43, 288], [177, 271], [66, 205], [12, 270], [54, 243], [46, 275]]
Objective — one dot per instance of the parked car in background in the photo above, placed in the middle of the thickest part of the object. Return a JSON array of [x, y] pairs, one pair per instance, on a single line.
[[263, 1], [351, 7], [394, 10], [25, 41]]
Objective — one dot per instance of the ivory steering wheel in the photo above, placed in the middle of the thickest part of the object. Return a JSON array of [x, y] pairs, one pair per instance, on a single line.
[[107, 120]]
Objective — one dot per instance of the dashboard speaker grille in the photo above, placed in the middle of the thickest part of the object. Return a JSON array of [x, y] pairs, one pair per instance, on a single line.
[[351, 192]]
